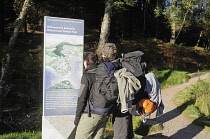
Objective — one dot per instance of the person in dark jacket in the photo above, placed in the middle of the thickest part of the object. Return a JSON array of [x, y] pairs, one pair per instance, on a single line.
[[89, 125], [122, 122]]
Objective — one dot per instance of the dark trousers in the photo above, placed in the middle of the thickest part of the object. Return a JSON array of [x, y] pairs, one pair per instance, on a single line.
[[122, 125]]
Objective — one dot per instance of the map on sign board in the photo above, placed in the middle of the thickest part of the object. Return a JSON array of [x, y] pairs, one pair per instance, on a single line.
[[63, 64], [63, 59]]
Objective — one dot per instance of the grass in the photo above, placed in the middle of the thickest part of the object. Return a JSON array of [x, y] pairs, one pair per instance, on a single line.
[[144, 129], [23, 135], [109, 132], [171, 77], [194, 103]]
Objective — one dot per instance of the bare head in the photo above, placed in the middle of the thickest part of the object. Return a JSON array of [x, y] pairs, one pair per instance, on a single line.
[[109, 52]]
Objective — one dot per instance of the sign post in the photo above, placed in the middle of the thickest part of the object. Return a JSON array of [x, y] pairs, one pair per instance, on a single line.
[[63, 65]]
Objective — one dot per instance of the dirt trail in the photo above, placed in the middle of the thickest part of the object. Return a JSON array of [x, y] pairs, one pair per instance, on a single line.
[[175, 125]]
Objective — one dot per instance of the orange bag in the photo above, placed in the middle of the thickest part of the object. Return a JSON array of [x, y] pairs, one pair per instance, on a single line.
[[148, 106]]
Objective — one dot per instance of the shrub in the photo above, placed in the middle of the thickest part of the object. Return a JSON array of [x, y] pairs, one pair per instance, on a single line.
[[202, 96], [23, 135]]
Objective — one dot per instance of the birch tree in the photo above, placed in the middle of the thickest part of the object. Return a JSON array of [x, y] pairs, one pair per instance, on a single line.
[[178, 14], [173, 24], [6, 61]]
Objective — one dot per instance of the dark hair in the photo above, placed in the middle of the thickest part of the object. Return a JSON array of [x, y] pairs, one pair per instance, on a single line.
[[110, 51], [90, 58]]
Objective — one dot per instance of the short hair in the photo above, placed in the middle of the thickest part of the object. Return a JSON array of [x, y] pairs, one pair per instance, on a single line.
[[90, 57], [110, 51]]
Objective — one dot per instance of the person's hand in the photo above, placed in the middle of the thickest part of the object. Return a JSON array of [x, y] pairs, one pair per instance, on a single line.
[[76, 121]]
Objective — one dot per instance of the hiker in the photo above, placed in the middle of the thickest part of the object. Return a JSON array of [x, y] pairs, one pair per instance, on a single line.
[[122, 118], [129, 74], [122, 122], [94, 125]]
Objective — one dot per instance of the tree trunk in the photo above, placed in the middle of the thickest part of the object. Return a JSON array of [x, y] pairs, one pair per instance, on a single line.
[[105, 26], [173, 33], [182, 25], [173, 24], [6, 61], [199, 39], [18, 23]]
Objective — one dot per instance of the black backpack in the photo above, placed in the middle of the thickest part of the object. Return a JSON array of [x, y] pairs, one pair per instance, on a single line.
[[104, 92], [135, 63]]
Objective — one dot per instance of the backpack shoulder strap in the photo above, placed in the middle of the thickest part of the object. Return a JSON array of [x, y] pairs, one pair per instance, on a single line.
[[106, 69], [93, 71], [110, 68]]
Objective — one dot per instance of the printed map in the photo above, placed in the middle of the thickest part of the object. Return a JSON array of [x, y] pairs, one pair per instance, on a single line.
[[63, 61]]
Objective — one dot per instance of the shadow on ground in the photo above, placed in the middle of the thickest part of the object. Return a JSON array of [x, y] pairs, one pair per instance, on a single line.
[[188, 132]]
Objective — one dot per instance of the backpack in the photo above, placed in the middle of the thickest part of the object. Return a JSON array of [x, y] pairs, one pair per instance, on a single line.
[[104, 92], [135, 63], [152, 99]]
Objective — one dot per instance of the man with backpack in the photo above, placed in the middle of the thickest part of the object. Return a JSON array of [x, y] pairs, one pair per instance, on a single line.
[[134, 63], [127, 79], [122, 82], [129, 75], [97, 98]]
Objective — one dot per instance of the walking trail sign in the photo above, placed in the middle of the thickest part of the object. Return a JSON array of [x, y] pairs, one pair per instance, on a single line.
[[63, 65]]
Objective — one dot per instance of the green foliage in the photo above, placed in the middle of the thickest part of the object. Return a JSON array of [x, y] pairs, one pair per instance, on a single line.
[[158, 10], [202, 96], [192, 109], [154, 128], [138, 127], [137, 121], [121, 4], [171, 77], [23, 135], [109, 130], [145, 129], [154, 39], [194, 103]]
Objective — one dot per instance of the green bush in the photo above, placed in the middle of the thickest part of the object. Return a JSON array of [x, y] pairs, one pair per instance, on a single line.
[[202, 96], [194, 103], [23, 135]]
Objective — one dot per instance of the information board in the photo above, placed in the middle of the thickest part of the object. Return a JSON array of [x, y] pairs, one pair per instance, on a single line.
[[63, 64]]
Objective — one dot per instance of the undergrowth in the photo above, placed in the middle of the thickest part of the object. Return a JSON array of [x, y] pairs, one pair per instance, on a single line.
[[194, 103], [23, 135], [171, 77]]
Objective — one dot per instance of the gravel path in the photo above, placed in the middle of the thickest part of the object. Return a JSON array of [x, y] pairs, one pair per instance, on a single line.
[[175, 125]]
